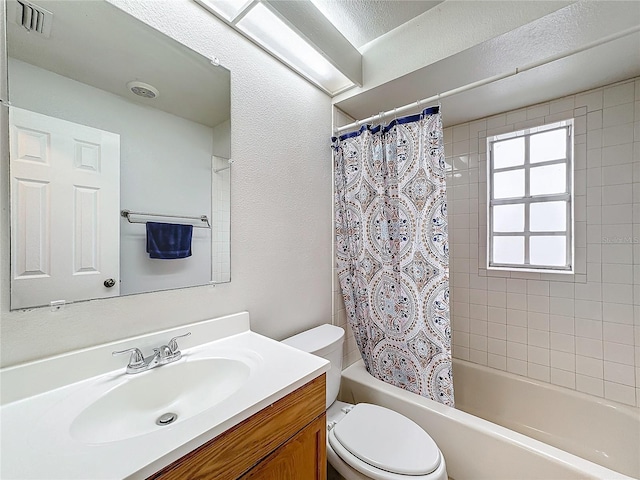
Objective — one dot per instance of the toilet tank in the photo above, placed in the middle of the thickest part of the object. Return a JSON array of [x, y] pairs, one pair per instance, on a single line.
[[325, 341]]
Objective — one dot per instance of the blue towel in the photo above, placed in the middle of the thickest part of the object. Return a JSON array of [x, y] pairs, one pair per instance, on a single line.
[[169, 240]]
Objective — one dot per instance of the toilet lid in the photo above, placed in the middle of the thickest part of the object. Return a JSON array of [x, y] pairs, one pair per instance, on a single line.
[[387, 440]]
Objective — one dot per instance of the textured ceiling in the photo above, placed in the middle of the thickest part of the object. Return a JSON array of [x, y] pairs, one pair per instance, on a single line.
[[362, 21]]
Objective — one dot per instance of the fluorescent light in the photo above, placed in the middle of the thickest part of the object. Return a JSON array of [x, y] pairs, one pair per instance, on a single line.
[[227, 9], [274, 35]]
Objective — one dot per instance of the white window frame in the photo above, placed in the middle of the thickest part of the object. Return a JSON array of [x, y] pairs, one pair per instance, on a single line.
[[527, 200]]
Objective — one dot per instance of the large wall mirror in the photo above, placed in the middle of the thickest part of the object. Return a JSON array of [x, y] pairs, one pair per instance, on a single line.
[[119, 156]]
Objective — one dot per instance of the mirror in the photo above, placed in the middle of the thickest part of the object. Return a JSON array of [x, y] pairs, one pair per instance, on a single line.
[[110, 116]]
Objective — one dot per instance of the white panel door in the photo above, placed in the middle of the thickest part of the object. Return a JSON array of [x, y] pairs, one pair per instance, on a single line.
[[65, 200]]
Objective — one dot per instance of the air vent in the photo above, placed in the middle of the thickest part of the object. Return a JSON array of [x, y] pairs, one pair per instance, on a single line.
[[34, 18]]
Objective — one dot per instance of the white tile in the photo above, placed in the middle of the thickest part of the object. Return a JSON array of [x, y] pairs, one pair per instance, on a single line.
[[461, 132], [562, 324], [561, 289], [460, 339], [617, 313], [538, 372], [594, 120], [497, 346], [517, 350], [587, 328], [620, 393], [588, 291], [538, 338], [496, 331], [590, 385], [538, 321], [562, 342], [619, 353], [563, 378], [617, 155], [561, 306], [592, 100], [498, 362], [537, 111], [589, 347], [617, 273], [496, 121], [563, 360], [516, 334], [617, 194], [538, 287], [518, 367], [594, 139], [516, 116], [517, 318], [616, 253], [619, 94], [516, 286], [478, 297], [497, 315], [617, 174], [562, 105], [497, 299], [478, 357], [497, 284], [618, 115], [618, 333], [536, 303], [460, 352], [617, 135], [478, 342], [516, 301], [591, 367], [617, 293]]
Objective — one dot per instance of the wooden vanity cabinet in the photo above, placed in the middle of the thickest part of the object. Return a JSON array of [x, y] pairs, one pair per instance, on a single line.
[[284, 441]]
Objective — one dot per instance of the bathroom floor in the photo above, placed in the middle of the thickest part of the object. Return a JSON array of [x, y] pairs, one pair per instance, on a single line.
[[332, 474]]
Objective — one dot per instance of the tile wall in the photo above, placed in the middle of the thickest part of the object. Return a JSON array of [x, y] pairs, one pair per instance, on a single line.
[[577, 331]]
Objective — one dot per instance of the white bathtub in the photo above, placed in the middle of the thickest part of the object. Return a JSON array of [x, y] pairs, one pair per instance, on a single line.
[[475, 448], [589, 427]]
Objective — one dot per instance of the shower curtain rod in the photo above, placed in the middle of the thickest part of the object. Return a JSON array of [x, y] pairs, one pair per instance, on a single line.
[[488, 80]]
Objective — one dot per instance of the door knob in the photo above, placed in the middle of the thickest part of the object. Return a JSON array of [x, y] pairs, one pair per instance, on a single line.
[[109, 282]]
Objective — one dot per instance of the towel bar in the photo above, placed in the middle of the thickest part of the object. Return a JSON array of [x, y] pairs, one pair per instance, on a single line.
[[203, 218]]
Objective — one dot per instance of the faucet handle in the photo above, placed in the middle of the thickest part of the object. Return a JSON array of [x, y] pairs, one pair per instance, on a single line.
[[136, 360], [173, 345]]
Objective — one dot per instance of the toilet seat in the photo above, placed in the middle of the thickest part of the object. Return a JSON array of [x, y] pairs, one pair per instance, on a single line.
[[384, 445]]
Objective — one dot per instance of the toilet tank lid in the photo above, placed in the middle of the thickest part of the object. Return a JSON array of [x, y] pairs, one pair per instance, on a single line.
[[318, 340]]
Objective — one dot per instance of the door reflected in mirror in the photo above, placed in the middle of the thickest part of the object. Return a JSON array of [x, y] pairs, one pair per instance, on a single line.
[[107, 115]]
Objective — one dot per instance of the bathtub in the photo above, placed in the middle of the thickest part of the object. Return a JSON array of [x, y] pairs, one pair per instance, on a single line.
[[475, 448]]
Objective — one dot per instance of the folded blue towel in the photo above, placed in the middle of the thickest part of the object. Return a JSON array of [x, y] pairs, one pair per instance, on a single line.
[[169, 240]]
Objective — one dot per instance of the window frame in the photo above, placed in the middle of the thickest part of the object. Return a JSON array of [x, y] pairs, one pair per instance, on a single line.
[[528, 200]]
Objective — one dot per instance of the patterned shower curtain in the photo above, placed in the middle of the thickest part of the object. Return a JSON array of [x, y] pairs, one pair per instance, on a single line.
[[392, 251]]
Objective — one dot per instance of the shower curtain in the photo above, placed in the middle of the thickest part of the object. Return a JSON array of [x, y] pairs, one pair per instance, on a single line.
[[392, 251]]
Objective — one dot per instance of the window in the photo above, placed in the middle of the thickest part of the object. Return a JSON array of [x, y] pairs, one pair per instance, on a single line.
[[530, 208]]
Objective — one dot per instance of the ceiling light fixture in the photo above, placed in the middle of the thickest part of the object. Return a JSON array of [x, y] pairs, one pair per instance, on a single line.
[[297, 34]]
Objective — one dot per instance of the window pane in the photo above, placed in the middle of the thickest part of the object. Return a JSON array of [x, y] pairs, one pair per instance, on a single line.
[[508, 218], [548, 179], [508, 250], [508, 184], [548, 217], [551, 251], [508, 153], [548, 146]]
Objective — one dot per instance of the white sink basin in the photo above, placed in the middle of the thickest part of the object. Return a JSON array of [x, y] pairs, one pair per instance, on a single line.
[[184, 388]]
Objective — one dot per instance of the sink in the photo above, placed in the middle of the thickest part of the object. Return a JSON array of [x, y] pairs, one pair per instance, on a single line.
[[184, 388]]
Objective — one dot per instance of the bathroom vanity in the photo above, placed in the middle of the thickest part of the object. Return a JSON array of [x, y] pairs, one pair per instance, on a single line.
[[243, 406], [284, 440]]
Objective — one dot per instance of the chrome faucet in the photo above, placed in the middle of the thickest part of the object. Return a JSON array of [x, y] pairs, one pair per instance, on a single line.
[[161, 356]]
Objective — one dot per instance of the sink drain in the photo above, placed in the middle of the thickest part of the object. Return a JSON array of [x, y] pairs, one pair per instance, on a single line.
[[166, 419]]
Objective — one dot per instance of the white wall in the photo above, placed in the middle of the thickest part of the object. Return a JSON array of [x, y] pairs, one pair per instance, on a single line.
[[165, 164], [578, 331], [280, 210]]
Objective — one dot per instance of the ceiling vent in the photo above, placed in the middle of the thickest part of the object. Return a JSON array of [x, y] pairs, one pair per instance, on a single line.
[[34, 18]]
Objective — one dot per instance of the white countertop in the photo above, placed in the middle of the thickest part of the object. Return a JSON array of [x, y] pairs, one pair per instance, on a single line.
[[37, 442]]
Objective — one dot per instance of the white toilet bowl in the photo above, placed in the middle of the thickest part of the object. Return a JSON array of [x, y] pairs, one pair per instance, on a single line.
[[364, 441], [367, 442]]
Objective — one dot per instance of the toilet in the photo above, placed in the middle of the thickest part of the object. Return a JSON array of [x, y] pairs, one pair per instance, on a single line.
[[367, 441]]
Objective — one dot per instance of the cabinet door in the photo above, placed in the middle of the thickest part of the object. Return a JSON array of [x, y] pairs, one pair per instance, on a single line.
[[303, 457]]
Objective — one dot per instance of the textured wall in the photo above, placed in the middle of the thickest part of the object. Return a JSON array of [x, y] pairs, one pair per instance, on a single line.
[[280, 210]]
